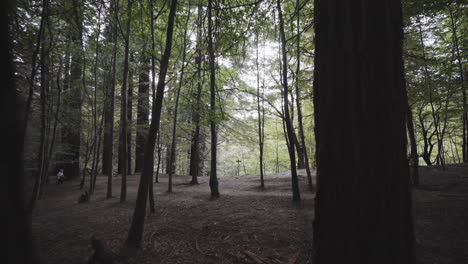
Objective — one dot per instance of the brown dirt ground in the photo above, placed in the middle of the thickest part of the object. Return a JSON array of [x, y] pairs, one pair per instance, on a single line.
[[189, 228]]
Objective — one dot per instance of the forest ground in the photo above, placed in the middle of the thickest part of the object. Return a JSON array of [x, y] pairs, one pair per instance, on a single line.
[[245, 223]]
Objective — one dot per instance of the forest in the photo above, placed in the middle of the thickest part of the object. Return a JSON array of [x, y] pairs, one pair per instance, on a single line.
[[247, 131]]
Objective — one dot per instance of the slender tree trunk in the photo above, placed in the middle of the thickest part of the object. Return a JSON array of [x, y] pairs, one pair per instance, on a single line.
[[32, 76], [174, 122], [73, 126], [130, 113], [43, 101], [124, 106], [260, 118], [135, 234], [109, 111], [54, 132], [287, 118], [298, 102], [97, 129], [150, 180], [142, 113], [159, 150], [194, 147], [413, 145], [363, 211], [214, 141]]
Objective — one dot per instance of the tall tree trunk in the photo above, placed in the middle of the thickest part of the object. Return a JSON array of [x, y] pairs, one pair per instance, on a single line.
[[287, 117], [298, 101], [152, 205], [108, 143], [195, 143], [159, 150], [73, 126], [41, 174], [38, 183], [214, 141], [142, 113], [20, 247], [176, 107], [135, 234], [54, 133], [363, 211], [32, 76], [124, 106], [130, 113], [97, 129], [261, 134], [153, 90]]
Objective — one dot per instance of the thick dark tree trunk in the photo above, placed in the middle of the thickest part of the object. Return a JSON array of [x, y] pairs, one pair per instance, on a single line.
[[20, 247], [287, 117], [124, 106], [142, 113], [363, 211], [135, 234], [214, 141]]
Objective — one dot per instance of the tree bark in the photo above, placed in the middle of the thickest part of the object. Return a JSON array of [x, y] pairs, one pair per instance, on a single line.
[[413, 144], [195, 143], [363, 211], [261, 133], [130, 114], [150, 180], [107, 163], [124, 106], [142, 113], [20, 247], [32, 76], [44, 65], [135, 234], [176, 107], [287, 117], [214, 141], [298, 103], [73, 126]]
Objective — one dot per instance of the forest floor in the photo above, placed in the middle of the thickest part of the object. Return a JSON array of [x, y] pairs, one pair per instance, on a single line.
[[244, 224]]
